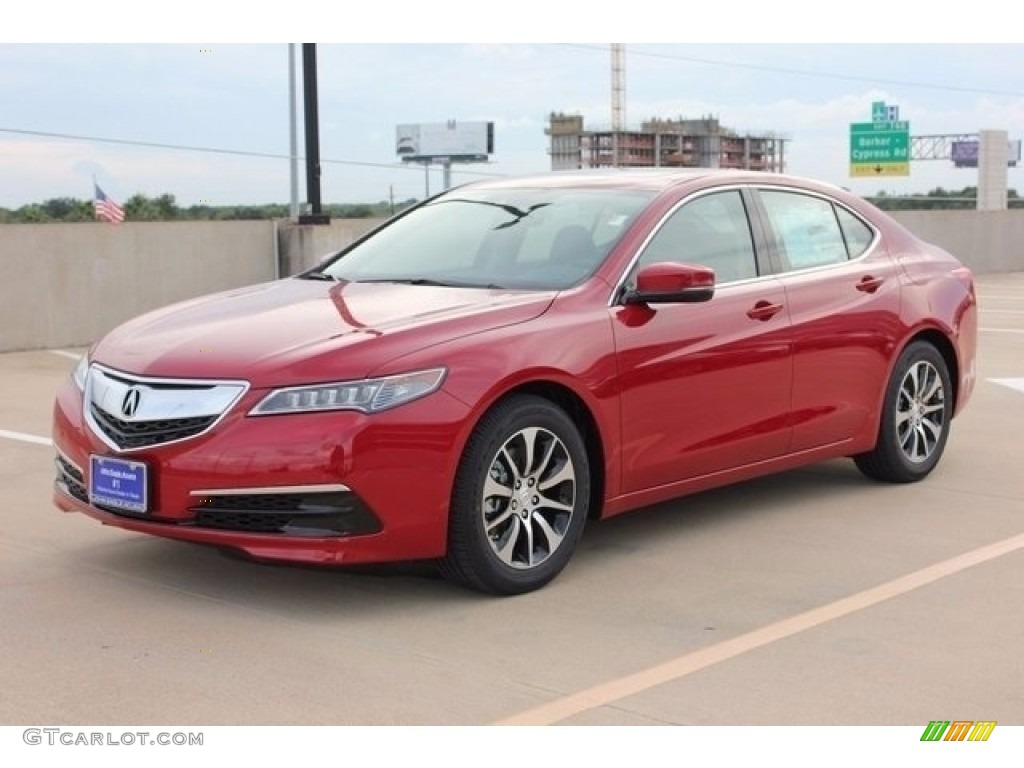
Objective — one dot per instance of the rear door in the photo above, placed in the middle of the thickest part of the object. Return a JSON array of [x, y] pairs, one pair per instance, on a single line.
[[843, 295]]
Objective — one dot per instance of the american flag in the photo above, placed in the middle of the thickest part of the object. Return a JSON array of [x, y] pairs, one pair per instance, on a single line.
[[105, 207]]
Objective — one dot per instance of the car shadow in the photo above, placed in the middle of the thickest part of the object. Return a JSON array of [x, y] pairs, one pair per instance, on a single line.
[[726, 506], [317, 592]]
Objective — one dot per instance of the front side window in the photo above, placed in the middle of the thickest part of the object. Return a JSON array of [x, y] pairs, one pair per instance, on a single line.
[[712, 231]]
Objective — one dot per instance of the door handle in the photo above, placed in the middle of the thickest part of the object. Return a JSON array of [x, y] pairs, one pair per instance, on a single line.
[[763, 310], [869, 283]]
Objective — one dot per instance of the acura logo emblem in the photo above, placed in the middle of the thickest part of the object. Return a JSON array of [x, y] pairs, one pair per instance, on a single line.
[[130, 403]]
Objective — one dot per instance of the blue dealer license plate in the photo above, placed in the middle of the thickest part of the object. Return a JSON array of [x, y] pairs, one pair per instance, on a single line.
[[118, 483]]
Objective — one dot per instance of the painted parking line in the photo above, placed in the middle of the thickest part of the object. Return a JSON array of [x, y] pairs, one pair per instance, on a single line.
[[675, 669], [1002, 330], [1017, 384], [25, 438], [64, 353]]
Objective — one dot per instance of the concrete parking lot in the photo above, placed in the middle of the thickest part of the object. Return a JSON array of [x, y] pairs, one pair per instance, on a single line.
[[812, 597]]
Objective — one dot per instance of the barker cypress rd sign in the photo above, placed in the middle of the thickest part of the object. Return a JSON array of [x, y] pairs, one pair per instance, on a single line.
[[881, 147]]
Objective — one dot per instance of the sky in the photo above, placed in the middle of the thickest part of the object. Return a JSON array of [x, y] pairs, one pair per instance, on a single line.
[[76, 85]]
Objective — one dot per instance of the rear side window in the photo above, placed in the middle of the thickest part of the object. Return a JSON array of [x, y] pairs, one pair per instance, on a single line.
[[806, 228], [857, 234]]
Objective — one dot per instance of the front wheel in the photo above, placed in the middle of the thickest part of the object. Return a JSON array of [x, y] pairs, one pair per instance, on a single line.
[[915, 418], [520, 499]]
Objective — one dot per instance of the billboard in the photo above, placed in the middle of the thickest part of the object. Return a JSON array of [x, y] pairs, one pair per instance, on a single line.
[[451, 141], [964, 154]]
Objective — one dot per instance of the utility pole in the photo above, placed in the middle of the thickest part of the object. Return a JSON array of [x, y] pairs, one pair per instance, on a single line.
[[293, 138], [312, 118]]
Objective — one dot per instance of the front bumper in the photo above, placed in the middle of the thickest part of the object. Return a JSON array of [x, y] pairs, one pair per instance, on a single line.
[[339, 487]]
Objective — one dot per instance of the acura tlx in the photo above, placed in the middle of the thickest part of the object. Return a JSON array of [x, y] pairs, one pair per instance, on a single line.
[[486, 371]]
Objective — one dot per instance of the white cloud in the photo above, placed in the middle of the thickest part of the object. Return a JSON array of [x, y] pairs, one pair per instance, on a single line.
[[236, 99]]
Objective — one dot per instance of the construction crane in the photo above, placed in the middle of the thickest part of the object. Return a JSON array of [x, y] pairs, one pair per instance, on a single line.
[[618, 87], [618, 97]]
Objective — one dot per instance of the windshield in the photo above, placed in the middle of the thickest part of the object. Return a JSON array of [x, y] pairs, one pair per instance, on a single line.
[[503, 238]]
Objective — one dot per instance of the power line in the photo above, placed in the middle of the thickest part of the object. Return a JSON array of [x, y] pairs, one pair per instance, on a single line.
[[224, 151], [802, 72]]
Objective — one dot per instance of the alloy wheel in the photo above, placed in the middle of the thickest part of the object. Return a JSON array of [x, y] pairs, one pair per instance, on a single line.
[[920, 412], [529, 497]]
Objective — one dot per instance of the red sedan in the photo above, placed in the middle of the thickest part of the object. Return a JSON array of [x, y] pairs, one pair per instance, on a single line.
[[485, 372]]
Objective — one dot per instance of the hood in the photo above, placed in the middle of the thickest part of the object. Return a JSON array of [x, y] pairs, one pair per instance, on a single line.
[[297, 331]]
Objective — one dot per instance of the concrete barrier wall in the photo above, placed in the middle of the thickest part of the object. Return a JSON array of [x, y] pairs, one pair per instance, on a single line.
[[67, 284], [986, 241], [305, 246]]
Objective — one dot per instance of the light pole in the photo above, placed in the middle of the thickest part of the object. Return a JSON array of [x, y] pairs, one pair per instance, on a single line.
[[312, 120]]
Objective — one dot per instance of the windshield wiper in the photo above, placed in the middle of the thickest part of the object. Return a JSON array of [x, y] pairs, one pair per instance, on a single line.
[[518, 214], [427, 281], [316, 276]]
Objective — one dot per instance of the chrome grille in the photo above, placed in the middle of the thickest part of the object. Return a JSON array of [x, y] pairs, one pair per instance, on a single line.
[[130, 412]]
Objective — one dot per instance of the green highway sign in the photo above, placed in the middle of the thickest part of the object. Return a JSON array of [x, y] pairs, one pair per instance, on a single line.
[[881, 147]]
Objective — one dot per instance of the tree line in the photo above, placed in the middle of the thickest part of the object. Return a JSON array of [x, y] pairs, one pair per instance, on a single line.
[[939, 199], [141, 207]]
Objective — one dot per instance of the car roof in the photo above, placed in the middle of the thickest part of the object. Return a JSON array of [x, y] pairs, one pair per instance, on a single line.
[[653, 179]]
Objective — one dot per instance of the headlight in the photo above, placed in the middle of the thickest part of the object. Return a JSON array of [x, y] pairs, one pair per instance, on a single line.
[[368, 395], [81, 372]]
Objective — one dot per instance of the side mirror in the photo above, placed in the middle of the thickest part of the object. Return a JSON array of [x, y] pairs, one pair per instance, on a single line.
[[667, 282]]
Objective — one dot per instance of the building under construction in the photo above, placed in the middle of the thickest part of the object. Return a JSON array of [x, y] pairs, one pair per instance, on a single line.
[[702, 143]]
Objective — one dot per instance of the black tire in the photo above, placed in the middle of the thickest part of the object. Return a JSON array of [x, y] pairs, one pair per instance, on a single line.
[[915, 418], [520, 499]]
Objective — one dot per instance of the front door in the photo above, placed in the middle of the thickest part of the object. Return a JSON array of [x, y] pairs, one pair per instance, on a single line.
[[704, 387]]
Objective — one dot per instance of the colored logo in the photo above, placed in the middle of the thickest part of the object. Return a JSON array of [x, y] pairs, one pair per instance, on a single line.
[[958, 730]]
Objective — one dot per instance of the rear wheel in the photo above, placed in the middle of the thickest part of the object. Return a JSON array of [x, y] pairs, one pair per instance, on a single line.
[[520, 498], [915, 418]]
